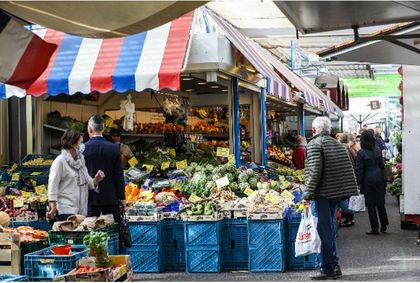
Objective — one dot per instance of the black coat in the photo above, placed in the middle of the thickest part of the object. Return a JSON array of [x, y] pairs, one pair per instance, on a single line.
[[101, 154], [369, 173]]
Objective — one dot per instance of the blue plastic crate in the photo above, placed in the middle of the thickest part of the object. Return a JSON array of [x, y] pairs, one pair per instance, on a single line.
[[34, 224], [203, 233], [43, 265], [206, 260], [235, 244], [5, 177], [267, 259], [146, 259], [174, 245], [13, 278], [266, 233], [145, 233], [43, 225], [114, 246]]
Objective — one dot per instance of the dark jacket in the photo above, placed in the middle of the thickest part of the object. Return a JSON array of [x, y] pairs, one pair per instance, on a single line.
[[328, 170], [369, 172], [101, 154]]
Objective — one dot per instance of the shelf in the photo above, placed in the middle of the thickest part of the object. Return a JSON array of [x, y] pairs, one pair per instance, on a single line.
[[54, 128], [143, 135]]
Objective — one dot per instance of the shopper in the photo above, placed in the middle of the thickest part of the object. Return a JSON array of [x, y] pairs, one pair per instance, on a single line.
[[389, 150], [103, 155], [354, 145], [379, 141], [344, 203], [329, 177], [299, 153], [369, 172], [69, 180], [126, 153]]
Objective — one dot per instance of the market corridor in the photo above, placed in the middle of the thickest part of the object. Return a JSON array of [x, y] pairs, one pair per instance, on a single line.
[[388, 257]]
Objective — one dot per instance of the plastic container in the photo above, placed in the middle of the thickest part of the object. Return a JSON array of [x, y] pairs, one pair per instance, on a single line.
[[61, 250], [114, 246], [146, 259], [267, 259], [203, 260], [44, 266], [203, 233], [173, 245], [235, 244], [145, 233]]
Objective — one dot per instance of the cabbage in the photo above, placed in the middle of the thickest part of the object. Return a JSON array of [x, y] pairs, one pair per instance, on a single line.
[[234, 187], [243, 177], [243, 186], [253, 183]]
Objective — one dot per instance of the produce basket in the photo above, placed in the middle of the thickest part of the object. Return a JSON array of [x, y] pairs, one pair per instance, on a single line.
[[43, 265], [33, 167]]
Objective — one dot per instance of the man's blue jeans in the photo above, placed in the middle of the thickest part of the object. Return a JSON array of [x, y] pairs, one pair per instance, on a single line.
[[326, 211]]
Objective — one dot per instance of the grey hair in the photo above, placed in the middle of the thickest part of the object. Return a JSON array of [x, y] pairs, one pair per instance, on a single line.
[[322, 125], [96, 123]]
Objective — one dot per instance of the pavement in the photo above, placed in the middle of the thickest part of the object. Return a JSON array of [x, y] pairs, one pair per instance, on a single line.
[[393, 256]]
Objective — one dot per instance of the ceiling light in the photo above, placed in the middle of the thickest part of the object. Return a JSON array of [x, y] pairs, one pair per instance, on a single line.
[[214, 86], [187, 79], [202, 83], [190, 90], [225, 90], [250, 70]]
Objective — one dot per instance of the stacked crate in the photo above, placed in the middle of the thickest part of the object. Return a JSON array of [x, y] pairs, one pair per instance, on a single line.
[[173, 245], [235, 244]]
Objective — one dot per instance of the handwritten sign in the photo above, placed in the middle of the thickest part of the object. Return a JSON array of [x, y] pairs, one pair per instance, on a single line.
[[149, 167], [248, 192], [181, 164], [194, 198], [165, 165], [285, 185], [15, 177], [41, 190], [222, 182], [287, 195], [222, 152], [271, 198], [18, 203], [133, 161], [172, 152]]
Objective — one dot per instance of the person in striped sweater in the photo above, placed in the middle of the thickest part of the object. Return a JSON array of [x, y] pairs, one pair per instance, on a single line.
[[329, 178]]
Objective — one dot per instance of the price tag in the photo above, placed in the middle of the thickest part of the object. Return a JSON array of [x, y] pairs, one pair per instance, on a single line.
[[301, 178], [172, 152], [194, 198], [193, 138], [149, 167], [222, 152], [181, 164], [18, 203], [36, 173], [282, 178], [41, 190], [287, 195], [13, 168], [248, 192], [222, 182], [149, 195], [165, 165], [15, 177], [285, 185], [133, 161], [232, 159], [271, 198], [26, 194]]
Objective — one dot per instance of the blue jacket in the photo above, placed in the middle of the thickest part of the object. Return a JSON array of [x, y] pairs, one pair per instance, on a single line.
[[101, 154]]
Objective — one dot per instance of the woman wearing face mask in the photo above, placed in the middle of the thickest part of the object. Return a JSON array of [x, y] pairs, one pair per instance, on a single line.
[[69, 180]]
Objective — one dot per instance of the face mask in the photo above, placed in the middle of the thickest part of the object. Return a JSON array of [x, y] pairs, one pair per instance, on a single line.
[[81, 148]]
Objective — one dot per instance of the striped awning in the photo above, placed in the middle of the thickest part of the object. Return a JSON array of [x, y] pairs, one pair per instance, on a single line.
[[149, 60]]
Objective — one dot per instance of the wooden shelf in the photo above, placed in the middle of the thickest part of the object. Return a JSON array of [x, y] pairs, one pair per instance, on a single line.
[[143, 135]]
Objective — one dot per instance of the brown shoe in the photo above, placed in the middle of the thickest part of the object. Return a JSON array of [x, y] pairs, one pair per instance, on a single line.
[[373, 232]]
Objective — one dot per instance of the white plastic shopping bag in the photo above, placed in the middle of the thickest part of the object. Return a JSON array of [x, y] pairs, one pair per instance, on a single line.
[[357, 203], [307, 238]]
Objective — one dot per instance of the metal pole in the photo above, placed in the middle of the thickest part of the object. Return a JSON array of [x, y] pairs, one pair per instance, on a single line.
[[292, 55], [301, 120], [236, 122], [263, 128]]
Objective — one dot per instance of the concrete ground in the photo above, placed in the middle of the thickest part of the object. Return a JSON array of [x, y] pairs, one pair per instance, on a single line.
[[393, 256]]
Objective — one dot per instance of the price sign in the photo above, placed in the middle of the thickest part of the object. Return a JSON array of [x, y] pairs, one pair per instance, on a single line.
[[271, 198], [181, 164], [165, 165], [18, 203], [285, 185], [193, 138], [282, 178], [15, 177], [232, 159], [133, 161], [172, 152], [222, 152], [222, 182], [26, 194], [248, 192], [149, 167], [149, 195], [287, 195], [194, 198], [41, 190]]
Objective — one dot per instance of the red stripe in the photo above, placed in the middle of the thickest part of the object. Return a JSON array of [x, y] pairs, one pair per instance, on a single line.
[[39, 87], [175, 51], [101, 78], [33, 62]]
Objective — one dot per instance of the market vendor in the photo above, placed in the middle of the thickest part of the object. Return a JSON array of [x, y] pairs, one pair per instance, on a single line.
[[126, 153]]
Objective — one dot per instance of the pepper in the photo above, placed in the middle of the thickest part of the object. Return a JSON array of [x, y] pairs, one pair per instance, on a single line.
[[197, 209], [209, 209]]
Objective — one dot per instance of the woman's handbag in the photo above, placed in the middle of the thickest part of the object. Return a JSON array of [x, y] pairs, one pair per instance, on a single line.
[[125, 235]]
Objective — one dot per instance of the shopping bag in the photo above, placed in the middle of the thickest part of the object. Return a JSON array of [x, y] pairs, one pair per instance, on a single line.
[[307, 238], [357, 203]]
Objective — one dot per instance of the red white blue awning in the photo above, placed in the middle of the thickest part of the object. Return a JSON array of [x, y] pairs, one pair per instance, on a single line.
[[149, 60]]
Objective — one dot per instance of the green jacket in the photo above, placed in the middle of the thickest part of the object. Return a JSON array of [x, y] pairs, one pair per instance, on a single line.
[[328, 170]]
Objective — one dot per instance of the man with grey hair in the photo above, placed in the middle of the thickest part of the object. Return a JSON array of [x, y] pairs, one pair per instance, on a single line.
[[101, 154], [329, 178]]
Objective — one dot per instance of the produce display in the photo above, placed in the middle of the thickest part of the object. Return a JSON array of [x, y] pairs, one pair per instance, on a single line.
[[280, 155], [97, 243], [27, 234], [394, 175], [38, 162]]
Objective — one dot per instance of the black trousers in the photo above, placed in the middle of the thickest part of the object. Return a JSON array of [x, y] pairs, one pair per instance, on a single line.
[[97, 210], [373, 216]]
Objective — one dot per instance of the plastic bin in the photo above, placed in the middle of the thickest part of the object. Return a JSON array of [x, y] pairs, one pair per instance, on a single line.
[[146, 259], [43, 265], [173, 245], [43, 225], [145, 233], [114, 246], [203, 260], [266, 232], [26, 248], [13, 278], [267, 259], [235, 244], [203, 233]]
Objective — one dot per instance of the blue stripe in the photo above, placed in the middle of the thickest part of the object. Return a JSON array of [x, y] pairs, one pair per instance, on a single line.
[[2, 91], [124, 73], [268, 85], [263, 107], [58, 80]]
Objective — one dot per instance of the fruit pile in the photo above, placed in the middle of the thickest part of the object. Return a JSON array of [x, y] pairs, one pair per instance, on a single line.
[[38, 162], [283, 156]]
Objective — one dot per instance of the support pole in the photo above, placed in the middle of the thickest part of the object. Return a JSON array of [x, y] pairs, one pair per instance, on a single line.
[[263, 128], [301, 120], [236, 122]]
